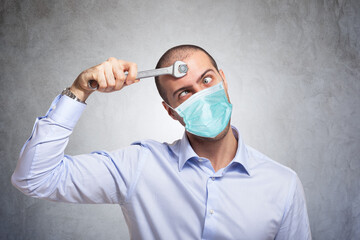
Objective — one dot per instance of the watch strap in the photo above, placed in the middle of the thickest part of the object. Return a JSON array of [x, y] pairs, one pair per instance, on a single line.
[[70, 94]]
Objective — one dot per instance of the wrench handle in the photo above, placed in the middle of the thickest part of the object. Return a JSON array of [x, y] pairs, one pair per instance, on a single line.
[[153, 72], [140, 75]]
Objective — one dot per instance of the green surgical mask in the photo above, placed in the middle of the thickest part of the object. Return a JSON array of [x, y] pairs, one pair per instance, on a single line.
[[206, 113]]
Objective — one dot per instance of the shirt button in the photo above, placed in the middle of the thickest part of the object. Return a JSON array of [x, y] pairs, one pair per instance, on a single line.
[[211, 211], [213, 178]]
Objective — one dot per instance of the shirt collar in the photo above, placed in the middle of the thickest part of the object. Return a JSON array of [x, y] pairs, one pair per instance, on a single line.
[[241, 156], [186, 152]]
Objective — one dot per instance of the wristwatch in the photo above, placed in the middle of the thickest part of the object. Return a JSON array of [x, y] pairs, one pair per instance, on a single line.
[[68, 93]]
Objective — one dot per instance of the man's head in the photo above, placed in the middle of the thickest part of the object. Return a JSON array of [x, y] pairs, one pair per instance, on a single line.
[[178, 53], [202, 74]]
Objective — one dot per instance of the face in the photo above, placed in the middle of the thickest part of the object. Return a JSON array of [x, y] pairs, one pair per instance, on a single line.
[[201, 75]]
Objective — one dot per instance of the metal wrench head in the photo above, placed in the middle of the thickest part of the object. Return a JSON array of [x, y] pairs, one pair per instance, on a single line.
[[179, 69]]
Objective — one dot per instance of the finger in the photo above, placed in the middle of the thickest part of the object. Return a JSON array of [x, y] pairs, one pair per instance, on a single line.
[[109, 76], [119, 75], [100, 78], [132, 72]]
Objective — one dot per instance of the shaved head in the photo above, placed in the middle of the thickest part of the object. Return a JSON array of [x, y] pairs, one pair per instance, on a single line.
[[178, 53]]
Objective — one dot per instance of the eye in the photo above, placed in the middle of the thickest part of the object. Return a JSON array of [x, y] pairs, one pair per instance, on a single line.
[[183, 93], [207, 80]]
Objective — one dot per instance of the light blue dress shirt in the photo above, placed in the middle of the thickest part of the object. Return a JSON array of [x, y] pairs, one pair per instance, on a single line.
[[165, 190]]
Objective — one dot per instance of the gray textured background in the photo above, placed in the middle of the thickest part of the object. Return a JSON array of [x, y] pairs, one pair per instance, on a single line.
[[293, 69]]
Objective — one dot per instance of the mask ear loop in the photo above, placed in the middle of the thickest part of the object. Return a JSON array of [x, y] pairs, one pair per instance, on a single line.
[[169, 106], [225, 88], [173, 113]]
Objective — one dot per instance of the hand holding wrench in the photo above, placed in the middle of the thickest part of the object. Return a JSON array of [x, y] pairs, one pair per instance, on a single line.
[[178, 69]]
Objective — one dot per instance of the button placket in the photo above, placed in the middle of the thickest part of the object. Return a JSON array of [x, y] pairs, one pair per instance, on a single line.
[[211, 221]]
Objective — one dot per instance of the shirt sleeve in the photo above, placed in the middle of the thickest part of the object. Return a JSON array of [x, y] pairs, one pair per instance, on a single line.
[[44, 171], [295, 223]]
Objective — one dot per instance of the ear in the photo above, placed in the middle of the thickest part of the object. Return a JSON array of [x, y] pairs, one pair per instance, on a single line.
[[225, 84], [223, 77], [169, 110]]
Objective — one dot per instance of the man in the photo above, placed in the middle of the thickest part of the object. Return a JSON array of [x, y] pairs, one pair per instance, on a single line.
[[208, 185]]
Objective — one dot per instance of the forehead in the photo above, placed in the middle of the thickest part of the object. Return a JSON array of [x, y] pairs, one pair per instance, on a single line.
[[198, 62]]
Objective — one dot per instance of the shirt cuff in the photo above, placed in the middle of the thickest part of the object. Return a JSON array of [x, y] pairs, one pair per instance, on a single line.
[[66, 111]]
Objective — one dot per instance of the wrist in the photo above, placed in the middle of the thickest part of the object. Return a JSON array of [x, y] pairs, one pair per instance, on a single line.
[[70, 94], [80, 93]]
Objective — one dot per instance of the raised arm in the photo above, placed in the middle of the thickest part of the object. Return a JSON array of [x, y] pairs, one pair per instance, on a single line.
[[44, 171]]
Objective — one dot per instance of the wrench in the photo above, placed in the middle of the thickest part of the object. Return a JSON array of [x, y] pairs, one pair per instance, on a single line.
[[178, 69]]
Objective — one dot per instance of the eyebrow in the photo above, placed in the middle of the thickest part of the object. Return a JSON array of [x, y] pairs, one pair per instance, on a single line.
[[189, 86]]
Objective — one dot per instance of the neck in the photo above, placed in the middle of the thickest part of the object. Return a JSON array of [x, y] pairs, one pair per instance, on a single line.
[[220, 151]]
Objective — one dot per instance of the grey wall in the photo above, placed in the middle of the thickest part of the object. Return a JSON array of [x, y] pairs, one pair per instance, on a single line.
[[293, 69]]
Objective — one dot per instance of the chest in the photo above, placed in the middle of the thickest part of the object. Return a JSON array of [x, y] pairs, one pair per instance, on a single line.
[[200, 203]]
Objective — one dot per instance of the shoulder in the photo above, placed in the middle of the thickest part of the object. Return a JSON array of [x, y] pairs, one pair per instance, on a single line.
[[260, 164], [156, 148], [149, 143], [277, 177]]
